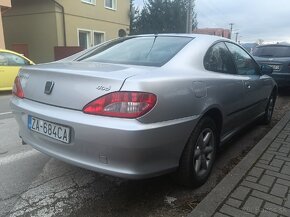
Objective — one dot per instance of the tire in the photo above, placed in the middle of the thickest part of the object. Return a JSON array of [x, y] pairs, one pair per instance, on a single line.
[[266, 119], [199, 154]]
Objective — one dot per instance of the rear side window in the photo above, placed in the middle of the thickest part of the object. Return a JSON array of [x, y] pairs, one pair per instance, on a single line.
[[244, 63], [272, 51], [147, 51], [218, 59]]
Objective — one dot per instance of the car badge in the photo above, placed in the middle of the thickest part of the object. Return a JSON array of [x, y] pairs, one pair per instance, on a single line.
[[271, 59], [48, 87]]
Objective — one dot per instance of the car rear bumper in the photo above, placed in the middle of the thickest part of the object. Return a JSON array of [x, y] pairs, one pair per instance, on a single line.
[[119, 147]]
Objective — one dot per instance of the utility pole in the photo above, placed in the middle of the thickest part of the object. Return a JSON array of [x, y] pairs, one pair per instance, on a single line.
[[189, 17], [237, 35], [239, 39], [231, 25]]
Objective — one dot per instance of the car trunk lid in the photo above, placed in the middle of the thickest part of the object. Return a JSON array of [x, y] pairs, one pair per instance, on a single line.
[[72, 84]]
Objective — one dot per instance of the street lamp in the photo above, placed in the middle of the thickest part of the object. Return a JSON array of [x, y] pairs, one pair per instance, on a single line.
[[189, 17], [231, 25], [237, 35]]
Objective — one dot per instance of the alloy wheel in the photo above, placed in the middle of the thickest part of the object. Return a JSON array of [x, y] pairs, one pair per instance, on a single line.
[[270, 108], [203, 153]]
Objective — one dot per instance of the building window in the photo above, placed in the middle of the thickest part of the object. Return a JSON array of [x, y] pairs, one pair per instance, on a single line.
[[93, 2], [88, 38], [111, 4], [84, 39], [99, 37]]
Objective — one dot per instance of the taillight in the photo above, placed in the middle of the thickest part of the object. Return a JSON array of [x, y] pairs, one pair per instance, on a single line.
[[122, 104], [17, 88]]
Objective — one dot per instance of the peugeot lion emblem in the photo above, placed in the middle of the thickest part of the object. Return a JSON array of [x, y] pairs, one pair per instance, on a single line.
[[48, 87]]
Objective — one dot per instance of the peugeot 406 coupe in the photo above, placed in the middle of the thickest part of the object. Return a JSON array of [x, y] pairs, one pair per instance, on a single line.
[[141, 106]]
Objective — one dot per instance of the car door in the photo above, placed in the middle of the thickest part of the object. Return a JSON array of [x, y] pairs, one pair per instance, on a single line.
[[229, 86], [9, 67], [255, 92]]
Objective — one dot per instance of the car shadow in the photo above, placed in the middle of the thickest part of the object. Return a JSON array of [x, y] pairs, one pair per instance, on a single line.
[[5, 93], [284, 91], [146, 197]]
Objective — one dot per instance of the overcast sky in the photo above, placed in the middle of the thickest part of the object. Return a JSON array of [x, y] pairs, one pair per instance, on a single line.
[[253, 19]]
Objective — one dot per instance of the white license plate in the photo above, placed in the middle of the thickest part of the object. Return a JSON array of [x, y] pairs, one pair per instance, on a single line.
[[52, 130], [275, 67]]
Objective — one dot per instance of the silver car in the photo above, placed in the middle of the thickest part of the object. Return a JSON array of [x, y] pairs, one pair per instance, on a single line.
[[142, 106]]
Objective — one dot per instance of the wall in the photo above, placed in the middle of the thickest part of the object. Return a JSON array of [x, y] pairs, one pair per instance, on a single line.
[[214, 31], [32, 22], [2, 43], [96, 17], [39, 23], [4, 5]]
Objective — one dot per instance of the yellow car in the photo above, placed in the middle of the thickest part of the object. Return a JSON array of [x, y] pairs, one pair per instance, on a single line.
[[10, 63]]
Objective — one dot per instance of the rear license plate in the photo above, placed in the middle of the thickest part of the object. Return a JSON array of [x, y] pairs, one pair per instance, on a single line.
[[52, 130], [275, 67]]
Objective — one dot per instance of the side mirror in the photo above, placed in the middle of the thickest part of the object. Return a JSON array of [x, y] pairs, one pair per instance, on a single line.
[[266, 70]]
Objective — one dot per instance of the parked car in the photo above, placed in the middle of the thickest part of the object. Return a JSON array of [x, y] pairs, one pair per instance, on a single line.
[[278, 57], [249, 46], [10, 63], [142, 106]]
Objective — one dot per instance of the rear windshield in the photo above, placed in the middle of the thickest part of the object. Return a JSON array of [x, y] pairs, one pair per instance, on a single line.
[[147, 51], [272, 51]]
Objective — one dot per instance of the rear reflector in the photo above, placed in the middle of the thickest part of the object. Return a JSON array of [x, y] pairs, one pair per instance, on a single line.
[[17, 88], [122, 104]]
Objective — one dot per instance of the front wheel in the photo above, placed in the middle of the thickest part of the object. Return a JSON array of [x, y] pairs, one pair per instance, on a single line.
[[199, 154], [266, 119]]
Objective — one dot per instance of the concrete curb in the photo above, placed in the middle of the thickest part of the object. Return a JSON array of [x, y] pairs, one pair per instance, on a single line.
[[216, 197]]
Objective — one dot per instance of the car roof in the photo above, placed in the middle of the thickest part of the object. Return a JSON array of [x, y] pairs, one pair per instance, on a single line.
[[274, 45], [209, 39], [195, 36]]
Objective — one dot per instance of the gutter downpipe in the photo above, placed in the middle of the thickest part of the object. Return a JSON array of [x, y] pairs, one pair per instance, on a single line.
[[63, 20]]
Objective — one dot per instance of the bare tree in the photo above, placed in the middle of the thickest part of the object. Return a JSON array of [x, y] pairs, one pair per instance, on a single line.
[[260, 41]]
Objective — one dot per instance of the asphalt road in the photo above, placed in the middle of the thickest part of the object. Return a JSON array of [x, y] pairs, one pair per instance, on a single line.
[[19, 165], [32, 184], [4, 105]]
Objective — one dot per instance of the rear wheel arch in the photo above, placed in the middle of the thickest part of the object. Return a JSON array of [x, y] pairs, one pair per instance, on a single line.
[[188, 172], [199, 153], [216, 115]]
